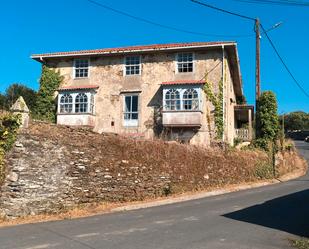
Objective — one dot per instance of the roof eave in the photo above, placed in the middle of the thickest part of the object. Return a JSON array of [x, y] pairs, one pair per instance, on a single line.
[[41, 57]]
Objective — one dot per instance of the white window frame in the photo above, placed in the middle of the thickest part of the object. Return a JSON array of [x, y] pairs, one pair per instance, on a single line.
[[125, 65], [181, 90], [90, 102], [171, 100], [176, 63], [74, 68], [66, 105], [82, 103], [130, 122]]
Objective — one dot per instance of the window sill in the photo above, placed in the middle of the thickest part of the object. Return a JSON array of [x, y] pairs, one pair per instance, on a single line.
[[74, 113], [182, 111], [80, 78]]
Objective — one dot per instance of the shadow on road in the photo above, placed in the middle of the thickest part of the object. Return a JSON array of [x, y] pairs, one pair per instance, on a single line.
[[289, 213]]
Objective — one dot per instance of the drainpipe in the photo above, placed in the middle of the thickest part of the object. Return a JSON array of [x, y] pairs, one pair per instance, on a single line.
[[223, 93]]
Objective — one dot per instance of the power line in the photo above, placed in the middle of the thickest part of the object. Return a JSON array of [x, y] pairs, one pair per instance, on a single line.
[[223, 10], [277, 2], [141, 19], [283, 63]]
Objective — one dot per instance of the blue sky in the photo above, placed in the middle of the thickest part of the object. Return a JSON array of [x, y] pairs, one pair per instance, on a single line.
[[36, 26]]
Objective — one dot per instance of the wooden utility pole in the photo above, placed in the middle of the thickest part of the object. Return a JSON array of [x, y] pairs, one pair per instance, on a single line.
[[257, 61]]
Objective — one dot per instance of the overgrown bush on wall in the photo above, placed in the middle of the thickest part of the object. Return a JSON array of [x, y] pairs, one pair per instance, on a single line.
[[9, 125], [267, 122], [45, 105]]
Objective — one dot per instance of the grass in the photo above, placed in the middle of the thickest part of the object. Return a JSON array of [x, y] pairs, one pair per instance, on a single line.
[[302, 243]]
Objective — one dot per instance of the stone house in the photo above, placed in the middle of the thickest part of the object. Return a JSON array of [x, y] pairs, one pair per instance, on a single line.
[[153, 90]]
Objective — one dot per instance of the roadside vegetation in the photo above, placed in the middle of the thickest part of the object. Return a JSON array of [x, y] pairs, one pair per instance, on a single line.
[[9, 125], [302, 243]]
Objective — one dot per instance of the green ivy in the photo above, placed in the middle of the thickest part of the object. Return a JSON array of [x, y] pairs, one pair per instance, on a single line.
[[217, 101], [267, 121], [9, 125], [45, 105]]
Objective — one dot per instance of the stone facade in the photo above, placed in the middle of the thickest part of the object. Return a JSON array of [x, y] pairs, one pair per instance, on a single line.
[[107, 73]]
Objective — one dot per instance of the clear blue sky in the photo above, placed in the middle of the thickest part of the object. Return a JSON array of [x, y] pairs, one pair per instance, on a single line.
[[36, 26]]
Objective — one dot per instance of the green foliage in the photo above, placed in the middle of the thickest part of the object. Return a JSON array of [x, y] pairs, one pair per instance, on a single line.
[[14, 91], [302, 243], [264, 170], [45, 104], [296, 121], [267, 122], [217, 101], [9, 125], [2, 102]]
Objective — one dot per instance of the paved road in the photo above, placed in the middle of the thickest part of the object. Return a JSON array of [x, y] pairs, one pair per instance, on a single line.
[[259, 218]]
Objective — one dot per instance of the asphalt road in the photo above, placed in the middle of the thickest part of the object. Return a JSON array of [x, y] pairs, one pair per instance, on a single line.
[[265, 218]]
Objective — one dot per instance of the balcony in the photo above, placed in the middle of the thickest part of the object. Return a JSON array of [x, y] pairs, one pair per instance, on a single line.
[[182, 118], [243, 134]]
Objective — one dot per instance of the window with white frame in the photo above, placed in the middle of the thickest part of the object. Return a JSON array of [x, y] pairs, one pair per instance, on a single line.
[[81, 103], [181, 99], [76, 102], [81, 68], [130, 113], [132, 65], [190, 99], [184, 62], [66, 103], [172, 100]]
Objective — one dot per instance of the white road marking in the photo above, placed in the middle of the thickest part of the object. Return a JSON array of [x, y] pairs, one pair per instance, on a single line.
[[86, 235]]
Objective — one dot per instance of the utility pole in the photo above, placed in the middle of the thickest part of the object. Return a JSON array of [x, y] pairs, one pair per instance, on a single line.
[[257, 62]]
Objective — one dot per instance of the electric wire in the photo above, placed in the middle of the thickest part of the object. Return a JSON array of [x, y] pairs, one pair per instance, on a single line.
[[141, 19], [274, 2], [283, 63]]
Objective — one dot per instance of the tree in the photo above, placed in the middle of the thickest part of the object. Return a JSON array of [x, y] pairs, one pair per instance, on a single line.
[[15, 90], [2, 102], [298, 120], [45, 105], [267, 126]]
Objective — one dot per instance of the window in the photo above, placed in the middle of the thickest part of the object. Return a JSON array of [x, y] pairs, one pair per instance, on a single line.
[[184, 62], [66, 103], [190, 99], [132, 65], [81, 68], [182, 99], [81, 103], [131, 110], [172, 100]]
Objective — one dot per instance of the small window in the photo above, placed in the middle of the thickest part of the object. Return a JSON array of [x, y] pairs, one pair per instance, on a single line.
[[190, 100], [132, 65], [131, 110], [184, 62], [81, 68], [172, 100], [81, 103], [66, 103]]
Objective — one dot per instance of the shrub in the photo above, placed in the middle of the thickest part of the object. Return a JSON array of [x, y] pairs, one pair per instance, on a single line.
[[264, 170], [267, 122], [9, 125], [45, 106]]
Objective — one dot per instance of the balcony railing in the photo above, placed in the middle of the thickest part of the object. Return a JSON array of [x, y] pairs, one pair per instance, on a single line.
[[243, 134]]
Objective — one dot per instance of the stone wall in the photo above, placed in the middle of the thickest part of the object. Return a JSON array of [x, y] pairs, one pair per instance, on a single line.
[[52, 168]]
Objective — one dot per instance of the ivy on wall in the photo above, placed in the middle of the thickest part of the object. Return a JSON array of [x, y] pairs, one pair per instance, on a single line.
[[45, 105], [217, 101], [9, 125]]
